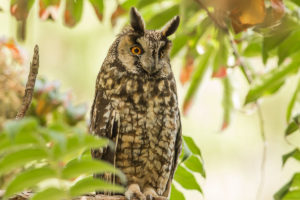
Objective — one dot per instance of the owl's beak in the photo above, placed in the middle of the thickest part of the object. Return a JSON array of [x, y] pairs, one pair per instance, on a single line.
[[150, 69]]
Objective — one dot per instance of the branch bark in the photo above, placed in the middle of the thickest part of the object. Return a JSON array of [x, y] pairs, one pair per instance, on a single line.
[[34, 68]]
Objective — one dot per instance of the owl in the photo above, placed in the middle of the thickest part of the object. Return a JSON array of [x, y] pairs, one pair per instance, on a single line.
[[136, 106]]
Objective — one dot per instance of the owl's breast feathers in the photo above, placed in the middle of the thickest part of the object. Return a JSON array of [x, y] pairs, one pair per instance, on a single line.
[[140, 113]]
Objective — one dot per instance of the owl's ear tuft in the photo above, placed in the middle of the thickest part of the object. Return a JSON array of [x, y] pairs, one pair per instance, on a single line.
[[136, 20], [171, 26]]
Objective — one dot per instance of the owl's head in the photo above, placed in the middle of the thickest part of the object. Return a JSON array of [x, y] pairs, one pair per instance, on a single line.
[[145, 51]]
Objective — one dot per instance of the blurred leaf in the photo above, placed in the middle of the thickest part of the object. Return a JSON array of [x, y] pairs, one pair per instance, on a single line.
[[291, 105], [192, 146], [98, 7], [221, 56], [50, 194], [186, 179], [178, 43], [186, 152], [289, 46], [49, 9], [292, 195], [75, 114], [90, 184], [73, 12], [14, 127], [20, 8], [163, 17], [194, 164], [176, 194], [77, 167], [282, 192], [29, 179], [116, 14], [273, 78], [187, 69], [245, 16], [197, 78], [290, 191], [253, 49], [20, 158], [292, 127], [129, 3], [277, 35], [296, 2], [143, 3], [227, 102], [293, 154], [78, 143]]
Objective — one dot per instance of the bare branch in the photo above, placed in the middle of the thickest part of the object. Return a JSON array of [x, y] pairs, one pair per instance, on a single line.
[[34, 68]]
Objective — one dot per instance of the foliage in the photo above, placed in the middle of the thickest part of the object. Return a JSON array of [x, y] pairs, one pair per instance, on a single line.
[[216, 38], [190, 163], [53, 160]]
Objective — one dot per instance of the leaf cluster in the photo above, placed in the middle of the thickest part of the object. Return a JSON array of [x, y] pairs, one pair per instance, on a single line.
[[53, 161]]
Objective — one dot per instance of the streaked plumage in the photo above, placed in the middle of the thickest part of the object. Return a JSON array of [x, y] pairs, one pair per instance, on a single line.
[[136, 106]]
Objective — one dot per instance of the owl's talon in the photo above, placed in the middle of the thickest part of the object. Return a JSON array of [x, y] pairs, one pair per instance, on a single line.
[[149, 197], [133, 192]]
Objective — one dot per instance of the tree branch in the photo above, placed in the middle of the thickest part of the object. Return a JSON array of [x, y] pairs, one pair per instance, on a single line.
[[249, 79], [34, 68]]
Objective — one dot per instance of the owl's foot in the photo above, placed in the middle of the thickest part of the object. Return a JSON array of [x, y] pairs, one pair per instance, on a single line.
[[150, 194], [134, 192]]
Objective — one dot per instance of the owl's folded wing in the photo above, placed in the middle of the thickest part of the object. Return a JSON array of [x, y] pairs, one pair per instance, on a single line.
[[177, 152], [103, 123]]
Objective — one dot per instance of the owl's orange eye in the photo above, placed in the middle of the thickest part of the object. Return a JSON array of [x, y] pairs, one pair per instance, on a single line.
[[136, 50]]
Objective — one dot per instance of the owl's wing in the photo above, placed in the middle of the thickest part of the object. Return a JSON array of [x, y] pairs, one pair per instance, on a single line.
[[103, 122], [177, 152]]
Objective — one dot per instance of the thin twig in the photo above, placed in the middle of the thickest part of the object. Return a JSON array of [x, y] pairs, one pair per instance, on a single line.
[[264, 156], [34, 68], [212, 17], [249, 79]]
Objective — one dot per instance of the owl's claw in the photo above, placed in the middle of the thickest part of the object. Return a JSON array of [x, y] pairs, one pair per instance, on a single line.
[[134, 192], [150, 194]]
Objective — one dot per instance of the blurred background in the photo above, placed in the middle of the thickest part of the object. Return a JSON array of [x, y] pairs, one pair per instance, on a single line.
[[232, 157]]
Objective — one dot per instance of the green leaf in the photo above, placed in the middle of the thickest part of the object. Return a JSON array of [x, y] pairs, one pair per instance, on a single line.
[[192, 145], [186, 179], [50, 194], [253, 49], [129, 3], [292, 127], [194, 164], [176, 194], [198, 75], [143, 3], [20, 158], [291, 105], [98, 7], [293, 154], [227, 102], [14, 127], [278, 35], [163, 17], [78, 143], [296, 2], [91, 184], [178, 43], [20, 8], [289, 46], [271, 80], [292, 195], [283, 191], [29, 179], [186, 152], [78, 167], [73, 12]]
